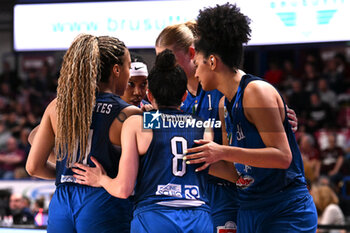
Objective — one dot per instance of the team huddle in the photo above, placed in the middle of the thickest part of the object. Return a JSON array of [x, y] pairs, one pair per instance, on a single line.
[[118, 169]]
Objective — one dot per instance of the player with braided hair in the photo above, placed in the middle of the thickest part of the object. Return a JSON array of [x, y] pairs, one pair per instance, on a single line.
[[86, 118]]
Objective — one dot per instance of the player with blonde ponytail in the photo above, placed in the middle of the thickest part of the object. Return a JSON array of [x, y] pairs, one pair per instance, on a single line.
[[85, 119], [76, 97]]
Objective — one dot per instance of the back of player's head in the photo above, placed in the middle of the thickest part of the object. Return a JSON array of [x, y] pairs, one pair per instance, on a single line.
[[167, 81], [111, 52], [88, 61], [192, 25], [222, 30], [178, 36], [91, 57]]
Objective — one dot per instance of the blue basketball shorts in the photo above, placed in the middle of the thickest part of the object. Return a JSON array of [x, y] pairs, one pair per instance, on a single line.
[[223, 201], [174, 220], [83, 209], [294, 215]]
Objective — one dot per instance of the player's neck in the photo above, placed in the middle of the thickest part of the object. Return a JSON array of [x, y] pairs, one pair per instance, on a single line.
[[104, 88], [192, 85], [229, 83]]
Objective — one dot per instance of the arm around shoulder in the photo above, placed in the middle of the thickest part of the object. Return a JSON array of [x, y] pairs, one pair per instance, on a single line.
[[123, 185]]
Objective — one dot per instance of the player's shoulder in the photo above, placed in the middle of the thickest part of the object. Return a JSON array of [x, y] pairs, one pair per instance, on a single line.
[[52, 103], [133, 120], [133, 123], [131, 110], [260, 88], [51, 107], [259, 93]]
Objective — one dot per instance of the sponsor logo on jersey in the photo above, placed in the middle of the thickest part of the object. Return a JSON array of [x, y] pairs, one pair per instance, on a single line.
[[244, 181], [194, 107], [225, 112], [173, 190], [191, 192], [247, 168], [65, 179], [230, 227], [240, 135], [229, 138]]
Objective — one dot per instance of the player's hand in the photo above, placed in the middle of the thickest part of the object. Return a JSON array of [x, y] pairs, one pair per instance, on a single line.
[[292, 118], [208, 152], [89, 175], [147, 107]]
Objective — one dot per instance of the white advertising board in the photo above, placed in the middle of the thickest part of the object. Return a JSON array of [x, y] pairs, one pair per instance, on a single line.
[[53, 26]]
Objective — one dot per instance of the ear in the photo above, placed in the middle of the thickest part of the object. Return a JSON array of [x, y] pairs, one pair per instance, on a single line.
[[191, 52], [149, 95], [116, 70], [184, 96], [212, 62]]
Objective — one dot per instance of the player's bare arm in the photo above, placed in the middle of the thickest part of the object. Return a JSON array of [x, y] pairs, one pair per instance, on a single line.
[[42, 145], [52, 157], [123, 185], [116, 127], [263, 108]]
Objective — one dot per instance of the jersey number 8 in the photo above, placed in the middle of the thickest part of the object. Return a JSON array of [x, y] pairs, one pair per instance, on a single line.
[[178, 170]]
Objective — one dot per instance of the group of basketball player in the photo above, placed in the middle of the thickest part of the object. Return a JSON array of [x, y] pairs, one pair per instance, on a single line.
[[246, 176]]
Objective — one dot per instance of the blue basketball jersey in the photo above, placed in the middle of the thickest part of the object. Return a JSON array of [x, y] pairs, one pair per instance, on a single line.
[[222, 194], [80, 208], [255, 185], [164, 179], [205, 105], [108, 107]]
